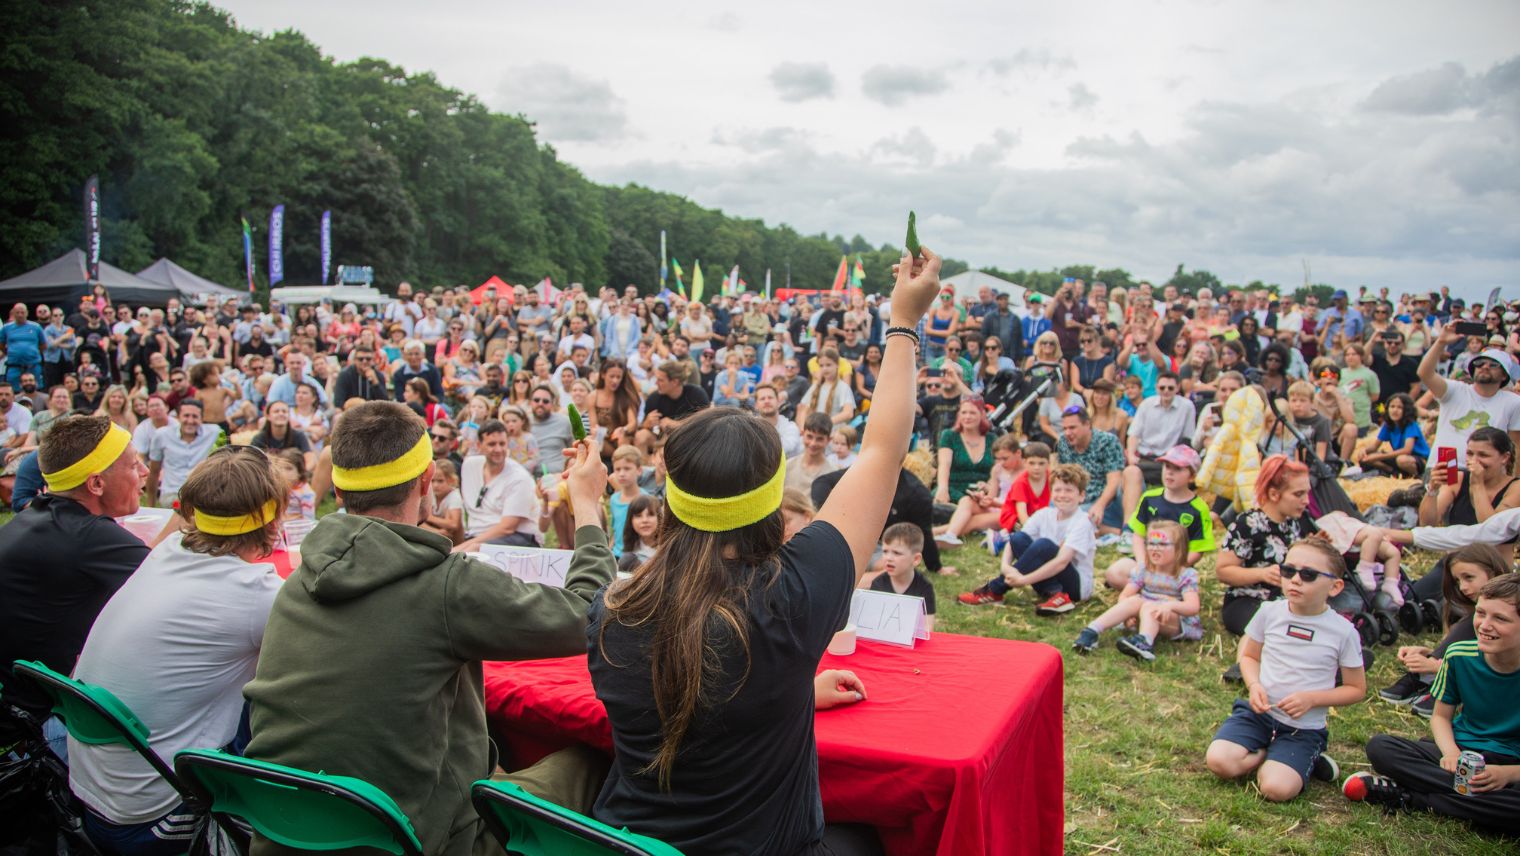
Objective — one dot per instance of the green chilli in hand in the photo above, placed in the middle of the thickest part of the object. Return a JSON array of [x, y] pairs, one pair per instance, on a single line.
[[577, 425], [912, 241]]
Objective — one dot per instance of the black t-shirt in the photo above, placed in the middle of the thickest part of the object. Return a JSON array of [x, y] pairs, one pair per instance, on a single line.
[[911, 503], [1395, 378], [919, 587], [692, 399], [59, 564], [940, 412], [745, 778], [829, 318], [262, 347], [294, 438]]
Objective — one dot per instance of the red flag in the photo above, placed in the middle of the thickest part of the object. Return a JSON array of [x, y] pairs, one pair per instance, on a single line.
[[844, 272]]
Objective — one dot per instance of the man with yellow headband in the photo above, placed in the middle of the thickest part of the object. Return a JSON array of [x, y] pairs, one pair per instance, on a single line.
[[64, 556], [371, 664]]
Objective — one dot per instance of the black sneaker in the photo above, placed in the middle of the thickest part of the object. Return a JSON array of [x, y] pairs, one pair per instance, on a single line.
[[1086, 641], [1375, 789], [1405, 690], [1325, 769], [1232, 675], [1424, 706], [1136, 646]]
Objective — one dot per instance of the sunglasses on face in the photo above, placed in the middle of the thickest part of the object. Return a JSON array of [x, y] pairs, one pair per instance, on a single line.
[[542, 401], [1166, 388], [1307, 574]]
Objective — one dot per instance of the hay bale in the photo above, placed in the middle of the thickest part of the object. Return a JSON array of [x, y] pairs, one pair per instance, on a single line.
[[1374, 491]]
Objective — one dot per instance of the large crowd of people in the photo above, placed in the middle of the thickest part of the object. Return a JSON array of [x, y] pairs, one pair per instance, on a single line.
[[744, 461]]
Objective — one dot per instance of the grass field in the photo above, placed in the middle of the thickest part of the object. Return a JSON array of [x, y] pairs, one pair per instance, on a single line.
[[1135, 738], [1136, 735]]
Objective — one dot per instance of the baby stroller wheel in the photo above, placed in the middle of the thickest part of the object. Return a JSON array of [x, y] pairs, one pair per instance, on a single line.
[[1410, 619], [1387, 628], [1431, 610], [1366, 628]]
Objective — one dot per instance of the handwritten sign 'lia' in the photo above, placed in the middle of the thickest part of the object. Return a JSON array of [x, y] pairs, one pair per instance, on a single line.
[[897, 619]]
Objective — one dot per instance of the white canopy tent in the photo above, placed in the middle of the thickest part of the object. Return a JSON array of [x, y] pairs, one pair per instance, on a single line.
[[969, 284], [296, 295]]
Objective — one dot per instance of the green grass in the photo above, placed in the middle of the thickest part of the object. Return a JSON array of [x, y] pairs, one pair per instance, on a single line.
[[1135, 738], [1136, 735]]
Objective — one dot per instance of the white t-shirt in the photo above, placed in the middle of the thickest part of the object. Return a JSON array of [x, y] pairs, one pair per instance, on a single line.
[[177, 456], [1075, 532], [142, 435], [19, 418], [1464, 411], [1302, 653], [510, 494], [176, 644]]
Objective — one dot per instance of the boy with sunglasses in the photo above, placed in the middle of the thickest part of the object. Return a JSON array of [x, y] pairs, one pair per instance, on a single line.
[[1288, 658]]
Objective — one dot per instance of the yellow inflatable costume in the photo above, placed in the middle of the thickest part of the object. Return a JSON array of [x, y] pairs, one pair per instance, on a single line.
[[1233, 459]]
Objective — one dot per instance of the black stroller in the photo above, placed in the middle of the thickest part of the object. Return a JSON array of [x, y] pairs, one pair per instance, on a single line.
[[1372, 613]]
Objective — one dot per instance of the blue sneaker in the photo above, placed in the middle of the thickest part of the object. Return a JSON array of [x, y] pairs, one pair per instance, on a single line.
[[1136, 646], [1086, 641]]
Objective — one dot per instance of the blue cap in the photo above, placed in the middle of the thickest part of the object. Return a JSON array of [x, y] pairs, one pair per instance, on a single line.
[[1340, 294]]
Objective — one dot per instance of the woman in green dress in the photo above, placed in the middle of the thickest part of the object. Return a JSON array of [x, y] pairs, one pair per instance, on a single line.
[[964, 459]]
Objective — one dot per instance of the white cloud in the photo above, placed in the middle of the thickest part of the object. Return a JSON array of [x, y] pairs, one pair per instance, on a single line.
[[1081, 98], [800, 81], [892, 85], [566, 106]]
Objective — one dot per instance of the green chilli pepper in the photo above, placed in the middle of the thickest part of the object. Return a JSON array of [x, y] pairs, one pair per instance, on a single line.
[[577, 425], [912, 240]]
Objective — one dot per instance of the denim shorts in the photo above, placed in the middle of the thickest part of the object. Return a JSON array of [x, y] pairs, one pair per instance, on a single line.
[[1296, 747]]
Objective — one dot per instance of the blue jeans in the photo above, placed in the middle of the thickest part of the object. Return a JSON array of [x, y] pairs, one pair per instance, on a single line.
[[13, 372], [57, 736], [1029, 554]]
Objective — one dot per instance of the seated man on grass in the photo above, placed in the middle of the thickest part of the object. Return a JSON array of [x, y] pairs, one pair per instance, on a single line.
[[371, 663]]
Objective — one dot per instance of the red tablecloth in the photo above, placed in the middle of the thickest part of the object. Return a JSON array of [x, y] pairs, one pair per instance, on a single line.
[[957, 750]]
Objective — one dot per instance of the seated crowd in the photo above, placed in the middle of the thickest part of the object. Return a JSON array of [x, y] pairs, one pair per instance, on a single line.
[[441, 427]]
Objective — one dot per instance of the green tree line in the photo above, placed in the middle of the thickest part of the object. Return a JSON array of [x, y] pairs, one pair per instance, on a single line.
[[192, 122]]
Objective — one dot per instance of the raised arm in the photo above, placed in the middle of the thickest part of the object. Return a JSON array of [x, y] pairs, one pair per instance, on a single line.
[[858, 507], [1428, 363]]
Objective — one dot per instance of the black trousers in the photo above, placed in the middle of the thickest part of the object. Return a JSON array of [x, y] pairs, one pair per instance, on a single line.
[[1417, 767]]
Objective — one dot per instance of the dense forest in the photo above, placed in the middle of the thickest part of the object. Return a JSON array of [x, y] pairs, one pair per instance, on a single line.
[[193, 123]]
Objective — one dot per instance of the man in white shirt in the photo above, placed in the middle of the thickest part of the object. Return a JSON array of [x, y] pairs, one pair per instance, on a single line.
[[768, 407], [176, 450], [1161, 422], [158, 417], [404, 310], [176, 643], [18, 417], [500, 503], [1485, 403], [576, 338]]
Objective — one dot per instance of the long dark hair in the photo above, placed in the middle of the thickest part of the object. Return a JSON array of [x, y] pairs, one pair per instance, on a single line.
[[1409, 411], [641, 503], [1455, 604], [626, 396], [689, 600], [1499, 440]]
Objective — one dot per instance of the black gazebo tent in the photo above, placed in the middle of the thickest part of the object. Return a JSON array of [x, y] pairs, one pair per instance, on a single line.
[[62, 281], [192, 287]]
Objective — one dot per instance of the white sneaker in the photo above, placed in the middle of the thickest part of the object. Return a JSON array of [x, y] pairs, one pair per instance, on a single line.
[[947, 538], [1351, 471]]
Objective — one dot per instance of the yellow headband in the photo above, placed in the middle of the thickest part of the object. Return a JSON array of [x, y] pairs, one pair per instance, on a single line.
[[237, 524], [389, 474], [106, 452], [722, 514]]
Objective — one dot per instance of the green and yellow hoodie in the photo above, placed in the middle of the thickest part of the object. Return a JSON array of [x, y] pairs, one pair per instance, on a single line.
[[371, 664]]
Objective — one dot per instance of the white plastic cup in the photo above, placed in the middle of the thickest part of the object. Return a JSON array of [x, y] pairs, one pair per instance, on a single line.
[[843, 643]]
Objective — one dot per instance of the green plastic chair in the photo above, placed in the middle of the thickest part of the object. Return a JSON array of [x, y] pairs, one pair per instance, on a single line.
[[96, 717], [529, 826], [296, 808]]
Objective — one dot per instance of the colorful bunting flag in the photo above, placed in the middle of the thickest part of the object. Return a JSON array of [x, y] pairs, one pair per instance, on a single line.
[[842, 274], [696, 281]]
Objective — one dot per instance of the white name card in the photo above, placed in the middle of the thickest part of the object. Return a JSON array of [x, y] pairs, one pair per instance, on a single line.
[[897, 619], [530, 565]]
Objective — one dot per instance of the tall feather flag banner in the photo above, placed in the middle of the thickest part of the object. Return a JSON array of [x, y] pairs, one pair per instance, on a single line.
[[696, 280], [276, 245], [92, 225], [675, 264], [663, 270], [841, 274], [858, 276], [731, 284], [248, 252], [767, 283], [326, 244]]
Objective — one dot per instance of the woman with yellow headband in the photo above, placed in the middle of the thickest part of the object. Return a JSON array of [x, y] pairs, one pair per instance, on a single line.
[[179, 640], [705, 658]]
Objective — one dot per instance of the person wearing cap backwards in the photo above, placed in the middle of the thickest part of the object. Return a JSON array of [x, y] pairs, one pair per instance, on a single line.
[[63, 557], [176, 644], [706, 658], [1467, 407], [371, 662]]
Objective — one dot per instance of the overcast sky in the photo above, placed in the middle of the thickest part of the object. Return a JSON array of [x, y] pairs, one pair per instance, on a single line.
[[1378, 141]]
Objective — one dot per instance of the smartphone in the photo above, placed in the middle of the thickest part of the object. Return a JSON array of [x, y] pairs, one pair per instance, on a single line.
[[1446, 456], [1470, 328]]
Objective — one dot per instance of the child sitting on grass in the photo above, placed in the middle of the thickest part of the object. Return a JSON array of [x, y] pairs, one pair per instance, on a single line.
[[1176, 500], [981, 507], [1289, 657], [1475, 690], [1162, 595], [1030, 491], [902, 551], [1053, 553], [1467, 570]]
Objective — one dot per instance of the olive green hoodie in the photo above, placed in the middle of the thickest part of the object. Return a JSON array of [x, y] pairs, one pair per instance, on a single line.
[[371, 664]]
